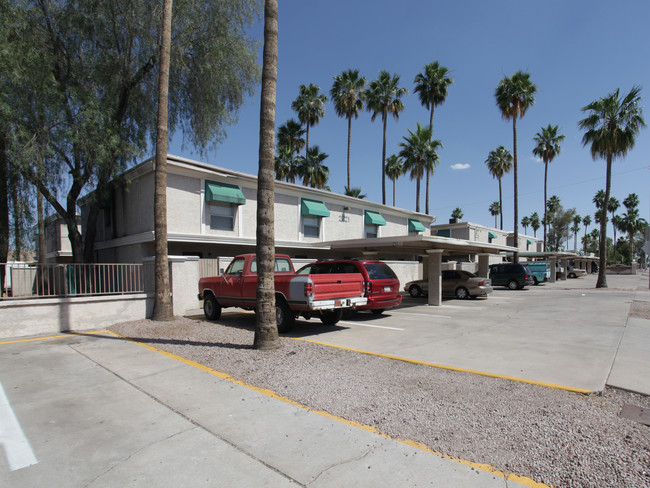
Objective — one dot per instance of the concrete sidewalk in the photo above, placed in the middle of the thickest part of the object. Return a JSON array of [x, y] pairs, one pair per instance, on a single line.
[[104, 412]]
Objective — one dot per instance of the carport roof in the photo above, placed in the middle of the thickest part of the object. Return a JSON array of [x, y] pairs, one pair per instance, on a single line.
[[418, 244]]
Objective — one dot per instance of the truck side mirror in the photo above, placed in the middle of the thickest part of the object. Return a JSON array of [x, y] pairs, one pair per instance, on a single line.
[[221, 271]]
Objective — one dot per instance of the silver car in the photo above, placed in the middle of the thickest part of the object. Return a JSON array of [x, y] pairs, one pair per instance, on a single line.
[[456, 283]]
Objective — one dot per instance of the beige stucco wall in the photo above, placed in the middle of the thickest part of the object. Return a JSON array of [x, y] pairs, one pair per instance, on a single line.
[[183, 204]]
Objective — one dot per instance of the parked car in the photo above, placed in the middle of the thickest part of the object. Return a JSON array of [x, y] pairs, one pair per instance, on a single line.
[[559, 270], [381, 284], [511, 275], [576, 272], [541, 271], [458, 283]]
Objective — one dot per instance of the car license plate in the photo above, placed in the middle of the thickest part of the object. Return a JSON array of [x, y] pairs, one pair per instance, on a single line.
[[387, 289]]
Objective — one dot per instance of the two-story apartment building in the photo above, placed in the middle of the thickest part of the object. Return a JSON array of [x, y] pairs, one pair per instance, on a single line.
[[211, 212]]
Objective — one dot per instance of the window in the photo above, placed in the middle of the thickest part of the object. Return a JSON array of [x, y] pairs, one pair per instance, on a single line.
[[282, 265], [311, 226], [236, 267], [222, 216], [371, 231]]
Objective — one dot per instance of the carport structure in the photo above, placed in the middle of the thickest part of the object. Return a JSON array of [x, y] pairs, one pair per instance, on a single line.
[[563, 257], [430, 248]]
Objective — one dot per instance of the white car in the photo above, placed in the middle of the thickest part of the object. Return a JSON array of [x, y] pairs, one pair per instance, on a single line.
[[576, 272]]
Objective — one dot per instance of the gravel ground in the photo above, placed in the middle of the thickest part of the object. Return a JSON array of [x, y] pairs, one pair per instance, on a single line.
[[554, 437]]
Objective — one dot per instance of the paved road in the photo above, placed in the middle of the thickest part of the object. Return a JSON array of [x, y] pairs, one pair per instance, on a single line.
[[97, 411]]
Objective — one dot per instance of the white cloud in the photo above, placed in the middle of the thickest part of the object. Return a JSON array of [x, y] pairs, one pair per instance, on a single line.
[[460, 166]]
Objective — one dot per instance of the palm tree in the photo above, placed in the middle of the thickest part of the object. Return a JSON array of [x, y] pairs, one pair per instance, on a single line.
[[535, 223], [514, 96], [499, 162], [495, 210], [612, 207], [617, 224], [347, 94], [290, 134], [312, 170], [163, 308], [266, 330], [525, 222], [286, 164], [547, 148], [394, 169], [631, 221], [586, 221], [599, 199], [355, 192], [611, 127], [431, 87], [383, 98], [575, 228], [310, 106], [419, 154]]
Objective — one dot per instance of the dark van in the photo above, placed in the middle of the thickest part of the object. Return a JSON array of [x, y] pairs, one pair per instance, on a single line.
[[511, 275]]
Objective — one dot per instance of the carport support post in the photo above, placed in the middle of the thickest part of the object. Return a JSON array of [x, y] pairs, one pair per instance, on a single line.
[[553, 262], [483, 265], [435, 277], [565, 265]]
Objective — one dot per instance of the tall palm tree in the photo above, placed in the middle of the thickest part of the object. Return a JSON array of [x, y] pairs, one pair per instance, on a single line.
[[286, 164], [383, 97], [547, 148], [599, 199], [394, 169], [631, 221], [310, 106], [266, 330], [514, 96], [612, 207], [575, 228], [419, 154], [617, 224], [535, 223], [525, 222], [586, 221], [611, 126], [495, 210], [291, 134], [312, 170], [431, 86], [499, 162], [163, 308], [347, 94]]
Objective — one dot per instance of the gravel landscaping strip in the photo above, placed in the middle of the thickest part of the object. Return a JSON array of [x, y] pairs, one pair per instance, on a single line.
[[555, 437]]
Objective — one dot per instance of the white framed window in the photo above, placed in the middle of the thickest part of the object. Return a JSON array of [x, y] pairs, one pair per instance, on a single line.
[[222, 216], [371, 231], [311, 226]]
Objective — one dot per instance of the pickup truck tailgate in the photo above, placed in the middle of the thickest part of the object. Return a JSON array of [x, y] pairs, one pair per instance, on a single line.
[[329, 286]]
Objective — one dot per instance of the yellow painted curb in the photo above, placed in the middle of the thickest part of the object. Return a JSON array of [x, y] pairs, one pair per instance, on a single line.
[[72, 334], [451, 368]]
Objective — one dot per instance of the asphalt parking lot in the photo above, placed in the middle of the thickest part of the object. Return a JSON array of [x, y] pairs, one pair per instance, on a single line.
[[94, 410]]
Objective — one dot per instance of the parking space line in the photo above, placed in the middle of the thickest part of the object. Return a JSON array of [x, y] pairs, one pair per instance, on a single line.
[[17, 449], [72, 334], [369, 325], [422, 314]]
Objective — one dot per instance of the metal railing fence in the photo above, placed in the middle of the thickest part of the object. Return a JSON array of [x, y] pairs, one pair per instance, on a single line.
[[22, 280]]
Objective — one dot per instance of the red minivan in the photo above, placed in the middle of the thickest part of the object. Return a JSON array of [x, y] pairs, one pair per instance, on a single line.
[[381, 284]]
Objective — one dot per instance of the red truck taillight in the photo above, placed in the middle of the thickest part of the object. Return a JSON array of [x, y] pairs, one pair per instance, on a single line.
[[309, 289]]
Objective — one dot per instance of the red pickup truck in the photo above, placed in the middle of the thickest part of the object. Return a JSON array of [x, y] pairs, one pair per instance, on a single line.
[[325, 295]]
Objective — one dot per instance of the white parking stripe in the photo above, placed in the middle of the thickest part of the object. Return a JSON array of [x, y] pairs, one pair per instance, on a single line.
[[17, 449], [422, 314], [368, 325]]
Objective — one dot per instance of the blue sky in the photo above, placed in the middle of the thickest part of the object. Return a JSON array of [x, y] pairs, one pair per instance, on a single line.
[[575, 52]]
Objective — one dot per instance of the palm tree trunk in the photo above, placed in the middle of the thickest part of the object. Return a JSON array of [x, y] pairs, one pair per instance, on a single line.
[[163, 307], [427, 196], [430, 139], [266, 330], [602, 245], [349, 142], [500, 206], [514, 165], [545, 179], [383, 163], [417, 194], [393, 193]]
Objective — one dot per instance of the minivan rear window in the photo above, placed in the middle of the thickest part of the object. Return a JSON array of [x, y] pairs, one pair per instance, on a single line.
[[379, 271]]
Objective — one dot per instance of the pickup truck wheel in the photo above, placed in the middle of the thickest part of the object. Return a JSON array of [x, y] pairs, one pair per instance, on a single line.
[[284, 318], [331, 317], [211, 308]]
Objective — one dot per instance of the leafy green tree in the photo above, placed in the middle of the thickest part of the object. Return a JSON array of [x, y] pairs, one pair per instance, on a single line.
[[514, 96], [495, 210], [525, 222], [535, 223], [266, 330], [457, 214], [383, 97], [611, 126], [561, 222], [312, 170], [499, 162], [291, 135], [547, 148], [355, 192], [310, 107], [86, 93], [394, 169], [419, 155], [348, 93], [431, 86]]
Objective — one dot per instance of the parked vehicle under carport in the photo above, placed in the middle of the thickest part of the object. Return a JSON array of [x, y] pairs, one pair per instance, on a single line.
[[455, 283]]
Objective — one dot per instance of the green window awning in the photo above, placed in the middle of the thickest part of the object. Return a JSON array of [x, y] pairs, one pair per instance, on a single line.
[[444, 233], [223, 192], [313, 207], [373, 218], [492, 235], [530, 243], [416, 225]]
